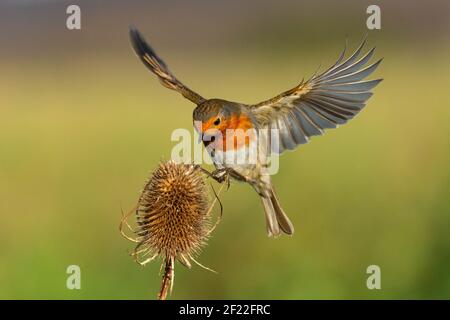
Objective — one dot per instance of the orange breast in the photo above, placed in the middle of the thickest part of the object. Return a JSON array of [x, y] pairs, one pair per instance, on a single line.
[[238, 133]]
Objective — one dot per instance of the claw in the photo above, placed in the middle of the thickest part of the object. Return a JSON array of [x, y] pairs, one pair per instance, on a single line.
[[223, 175]]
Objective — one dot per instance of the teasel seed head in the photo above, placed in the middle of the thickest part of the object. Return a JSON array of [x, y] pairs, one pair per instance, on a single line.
[[173, 218], [172, 213]]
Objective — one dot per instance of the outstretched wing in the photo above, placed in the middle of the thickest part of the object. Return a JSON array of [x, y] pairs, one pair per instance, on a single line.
[[324, 101], [158, 67]]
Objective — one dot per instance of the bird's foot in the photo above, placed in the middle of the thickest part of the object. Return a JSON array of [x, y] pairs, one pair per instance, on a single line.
[[223, 175], [220, 175]]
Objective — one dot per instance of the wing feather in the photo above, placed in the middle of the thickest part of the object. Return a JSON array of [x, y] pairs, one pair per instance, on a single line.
[[353, 76], [324, 101], [158, 67], [297, 131]]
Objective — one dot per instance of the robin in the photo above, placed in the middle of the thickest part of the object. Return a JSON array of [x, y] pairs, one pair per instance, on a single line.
[[324, 101]]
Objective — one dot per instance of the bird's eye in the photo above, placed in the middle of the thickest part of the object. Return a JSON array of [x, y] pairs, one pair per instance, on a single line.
[[217, 122]]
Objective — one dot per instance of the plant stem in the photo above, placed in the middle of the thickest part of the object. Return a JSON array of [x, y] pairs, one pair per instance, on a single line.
[[167, 280]]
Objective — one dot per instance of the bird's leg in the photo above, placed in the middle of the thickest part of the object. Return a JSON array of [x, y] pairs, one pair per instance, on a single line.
[[230, 172], [254, 183], [220, 175], [223, 175], [209, 174]]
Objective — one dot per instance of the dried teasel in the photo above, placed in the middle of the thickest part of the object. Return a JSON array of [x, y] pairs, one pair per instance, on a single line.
[[173, 219]]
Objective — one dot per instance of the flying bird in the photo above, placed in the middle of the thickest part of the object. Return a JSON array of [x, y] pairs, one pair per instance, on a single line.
[[324, 101]]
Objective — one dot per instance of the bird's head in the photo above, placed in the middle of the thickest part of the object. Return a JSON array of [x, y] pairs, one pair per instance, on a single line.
[[211, 118], [211, 115], [215, 117]]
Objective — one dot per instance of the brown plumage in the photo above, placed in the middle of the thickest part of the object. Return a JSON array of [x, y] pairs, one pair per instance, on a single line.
[[158, 67], [325, 101]]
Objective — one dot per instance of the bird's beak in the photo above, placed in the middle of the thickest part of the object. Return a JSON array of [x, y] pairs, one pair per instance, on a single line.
[[209, 139]]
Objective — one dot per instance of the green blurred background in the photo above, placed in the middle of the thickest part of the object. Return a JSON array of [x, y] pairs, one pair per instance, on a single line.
[[83, 123]]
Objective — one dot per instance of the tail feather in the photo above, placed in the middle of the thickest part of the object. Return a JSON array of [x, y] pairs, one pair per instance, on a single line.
[[276, 219], [273, 229], [283, 220]]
